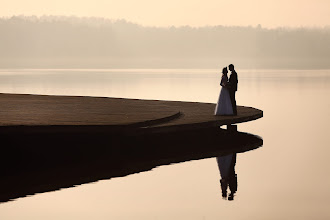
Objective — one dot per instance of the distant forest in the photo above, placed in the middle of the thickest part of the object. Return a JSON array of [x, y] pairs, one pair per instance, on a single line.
[[72, 42]]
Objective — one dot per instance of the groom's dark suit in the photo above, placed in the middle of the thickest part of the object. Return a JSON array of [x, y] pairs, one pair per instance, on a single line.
[[232, 89]]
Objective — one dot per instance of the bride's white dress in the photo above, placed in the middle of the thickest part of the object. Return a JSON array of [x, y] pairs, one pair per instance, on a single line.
[[224, 106]]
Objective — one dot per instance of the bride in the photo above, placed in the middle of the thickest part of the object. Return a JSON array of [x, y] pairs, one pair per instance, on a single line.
[[224, 106]]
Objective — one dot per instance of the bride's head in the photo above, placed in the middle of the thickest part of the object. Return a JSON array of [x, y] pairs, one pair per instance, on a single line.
[[225, 71]]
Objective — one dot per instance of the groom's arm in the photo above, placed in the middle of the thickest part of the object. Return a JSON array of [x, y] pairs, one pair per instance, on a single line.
[[229, 83], [233, 80]]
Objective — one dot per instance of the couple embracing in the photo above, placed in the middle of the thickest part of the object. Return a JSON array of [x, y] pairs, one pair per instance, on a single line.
[[227, 103]]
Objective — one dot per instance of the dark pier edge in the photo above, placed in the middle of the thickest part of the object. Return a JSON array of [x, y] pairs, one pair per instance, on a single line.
[[104, 144]]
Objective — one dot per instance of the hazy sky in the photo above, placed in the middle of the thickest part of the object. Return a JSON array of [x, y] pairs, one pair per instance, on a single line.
[[268, 13]]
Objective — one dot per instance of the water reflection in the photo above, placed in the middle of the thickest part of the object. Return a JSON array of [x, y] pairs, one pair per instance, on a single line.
[[226, 166], [74, 159]]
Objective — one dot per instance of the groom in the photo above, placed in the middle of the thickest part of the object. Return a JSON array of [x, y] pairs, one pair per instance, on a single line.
[[232, 87]]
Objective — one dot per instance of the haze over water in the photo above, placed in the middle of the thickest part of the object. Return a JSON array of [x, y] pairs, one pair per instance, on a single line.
[[285, 179]]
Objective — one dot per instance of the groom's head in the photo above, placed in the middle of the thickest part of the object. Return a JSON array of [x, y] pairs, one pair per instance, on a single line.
[[231, 67]]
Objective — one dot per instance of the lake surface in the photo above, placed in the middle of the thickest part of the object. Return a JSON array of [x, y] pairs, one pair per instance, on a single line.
[[287, 178]]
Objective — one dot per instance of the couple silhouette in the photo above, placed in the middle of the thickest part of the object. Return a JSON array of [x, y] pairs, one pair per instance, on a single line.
[[226, 104]]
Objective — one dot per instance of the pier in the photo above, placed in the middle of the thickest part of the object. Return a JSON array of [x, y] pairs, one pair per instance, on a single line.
[[54, 142], [46, 113]]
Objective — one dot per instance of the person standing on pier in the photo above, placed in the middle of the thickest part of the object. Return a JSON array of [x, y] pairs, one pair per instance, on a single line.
[[232, 87]]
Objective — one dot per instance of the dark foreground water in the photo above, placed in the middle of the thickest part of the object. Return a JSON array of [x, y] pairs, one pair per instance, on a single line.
[[287, 178]]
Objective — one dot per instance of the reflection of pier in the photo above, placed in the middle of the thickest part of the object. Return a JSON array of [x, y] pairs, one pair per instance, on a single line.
[[53, 142]]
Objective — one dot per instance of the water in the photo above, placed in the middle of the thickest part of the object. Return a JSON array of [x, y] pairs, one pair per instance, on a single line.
[[287, 178]]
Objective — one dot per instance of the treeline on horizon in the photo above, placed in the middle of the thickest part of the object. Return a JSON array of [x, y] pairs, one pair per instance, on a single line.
[[73, 42]]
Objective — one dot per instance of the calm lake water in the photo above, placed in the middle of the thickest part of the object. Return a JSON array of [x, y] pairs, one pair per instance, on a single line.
[[287, 178]]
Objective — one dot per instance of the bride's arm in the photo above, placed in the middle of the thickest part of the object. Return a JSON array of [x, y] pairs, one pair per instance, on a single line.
[[223, 82]]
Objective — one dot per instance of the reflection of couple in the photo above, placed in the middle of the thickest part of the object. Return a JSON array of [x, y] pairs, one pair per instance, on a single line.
[[227, 103], [227, 106], [226, 166]]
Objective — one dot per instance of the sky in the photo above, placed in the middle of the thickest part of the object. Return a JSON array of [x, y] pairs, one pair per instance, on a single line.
[[164, 13]]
